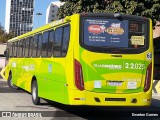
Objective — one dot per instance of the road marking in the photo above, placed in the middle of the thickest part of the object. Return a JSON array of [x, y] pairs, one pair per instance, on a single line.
[[2, 73], [2, 80], [155, 82], [156, 87]]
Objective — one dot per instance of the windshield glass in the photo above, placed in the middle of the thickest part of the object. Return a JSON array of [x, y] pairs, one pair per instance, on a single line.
[[114, 33]]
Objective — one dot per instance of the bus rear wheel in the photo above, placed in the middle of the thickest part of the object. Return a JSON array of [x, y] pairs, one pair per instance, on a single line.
[[34, 90], [10, 83]]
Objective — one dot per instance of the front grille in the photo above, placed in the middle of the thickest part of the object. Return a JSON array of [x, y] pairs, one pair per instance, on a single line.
[[115, 99]]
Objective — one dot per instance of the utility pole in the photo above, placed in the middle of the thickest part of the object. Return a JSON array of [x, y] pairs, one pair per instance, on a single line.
[[38, 14]]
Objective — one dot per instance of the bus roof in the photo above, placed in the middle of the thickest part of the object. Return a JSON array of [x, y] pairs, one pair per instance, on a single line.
[[113, 14], [42, 28], [67, 18]]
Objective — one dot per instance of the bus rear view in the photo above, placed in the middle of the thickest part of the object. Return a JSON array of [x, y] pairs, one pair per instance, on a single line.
[[113, 60]]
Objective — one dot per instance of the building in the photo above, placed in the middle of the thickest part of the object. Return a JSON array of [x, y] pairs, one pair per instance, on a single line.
[[19, 16], [51, 13]]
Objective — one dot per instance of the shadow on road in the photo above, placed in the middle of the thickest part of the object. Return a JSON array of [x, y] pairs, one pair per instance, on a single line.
[[90, 112], [5, 89]]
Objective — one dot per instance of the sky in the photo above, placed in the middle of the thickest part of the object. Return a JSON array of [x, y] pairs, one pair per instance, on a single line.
[[40, 6]]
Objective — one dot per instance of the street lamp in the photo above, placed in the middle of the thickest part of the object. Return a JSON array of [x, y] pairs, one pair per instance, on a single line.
[[38, 14]]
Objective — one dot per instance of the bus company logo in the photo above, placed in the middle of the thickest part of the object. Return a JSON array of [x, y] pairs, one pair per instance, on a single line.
[[96, 29], [115, 29], [112, 66], [116, 25], [28, 68], [13, 64]]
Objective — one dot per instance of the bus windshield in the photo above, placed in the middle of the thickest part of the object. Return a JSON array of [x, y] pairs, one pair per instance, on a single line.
[[114, 33]]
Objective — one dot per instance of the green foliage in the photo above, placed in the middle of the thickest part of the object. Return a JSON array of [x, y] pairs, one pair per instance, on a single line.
[[4, 37], [147, 8]]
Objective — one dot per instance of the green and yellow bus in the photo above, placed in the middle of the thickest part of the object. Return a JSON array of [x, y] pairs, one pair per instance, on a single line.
[[85, 59]]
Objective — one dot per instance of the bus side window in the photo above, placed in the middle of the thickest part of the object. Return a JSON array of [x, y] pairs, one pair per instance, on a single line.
[[16, 48], [45, 44], [50, 43], [57, 44], [30, 46], [35, 44], [39, 45], [13, 49], [66, 37], [24, 46], [10, 49], [27, 47], [17, 43], [20, 48]]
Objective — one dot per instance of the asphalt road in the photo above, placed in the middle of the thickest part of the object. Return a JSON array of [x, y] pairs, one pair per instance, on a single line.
[[18, 103]]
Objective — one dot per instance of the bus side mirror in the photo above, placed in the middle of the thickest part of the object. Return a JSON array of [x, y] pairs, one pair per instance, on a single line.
[[6, 54]]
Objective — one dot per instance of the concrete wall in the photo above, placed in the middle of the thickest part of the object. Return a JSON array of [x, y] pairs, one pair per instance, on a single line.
[[2, 48], [2, 59], [2, 62]]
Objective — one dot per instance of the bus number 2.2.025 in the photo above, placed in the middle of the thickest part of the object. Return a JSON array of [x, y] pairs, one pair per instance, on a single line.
[[134, 66]]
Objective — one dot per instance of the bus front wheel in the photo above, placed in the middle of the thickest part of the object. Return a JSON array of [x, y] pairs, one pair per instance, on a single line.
[[35, 98], [10, 83]]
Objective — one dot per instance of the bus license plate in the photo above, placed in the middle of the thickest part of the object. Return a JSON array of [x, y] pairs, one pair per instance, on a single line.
[[115, 83]]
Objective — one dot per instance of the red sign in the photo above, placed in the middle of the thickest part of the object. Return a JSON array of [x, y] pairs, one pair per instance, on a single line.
[[95, 29]]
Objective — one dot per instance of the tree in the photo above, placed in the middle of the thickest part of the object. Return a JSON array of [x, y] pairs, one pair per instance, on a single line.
[[4, 37], [147, 8]]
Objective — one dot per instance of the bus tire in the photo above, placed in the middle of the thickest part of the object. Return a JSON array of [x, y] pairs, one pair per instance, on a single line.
[[34, 90], [10, 84]]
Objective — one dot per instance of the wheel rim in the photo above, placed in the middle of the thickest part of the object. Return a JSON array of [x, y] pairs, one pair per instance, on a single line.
[[34, 92]]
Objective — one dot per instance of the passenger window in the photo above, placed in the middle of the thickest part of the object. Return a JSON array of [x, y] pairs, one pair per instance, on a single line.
[[27, 47], [30, 46], [45, 44], [35, 44], [24, 46], [66, 37], [50, 43], [13, 49], [57, 44], [39, 45], [20, 48]]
